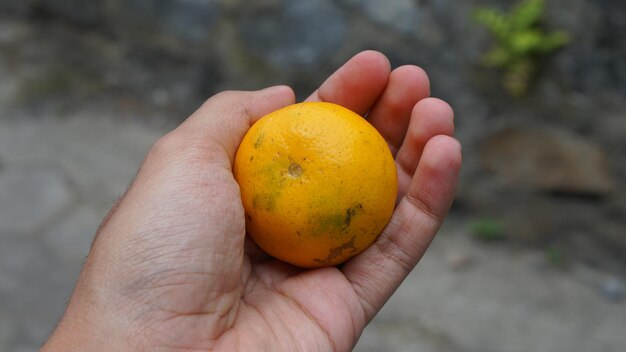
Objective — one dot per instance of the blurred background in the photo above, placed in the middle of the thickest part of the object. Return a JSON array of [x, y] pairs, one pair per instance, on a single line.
[[533, 254]]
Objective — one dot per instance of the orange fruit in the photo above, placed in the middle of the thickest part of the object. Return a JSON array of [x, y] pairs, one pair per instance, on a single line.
[[318, 183]]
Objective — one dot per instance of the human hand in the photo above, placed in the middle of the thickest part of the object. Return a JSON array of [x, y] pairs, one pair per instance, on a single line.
[[171, 267]]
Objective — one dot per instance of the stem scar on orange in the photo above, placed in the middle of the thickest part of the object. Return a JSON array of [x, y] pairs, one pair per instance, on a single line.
[[318, 183]]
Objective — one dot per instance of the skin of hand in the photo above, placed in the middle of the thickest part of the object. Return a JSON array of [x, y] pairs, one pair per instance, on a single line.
[[171, 267]]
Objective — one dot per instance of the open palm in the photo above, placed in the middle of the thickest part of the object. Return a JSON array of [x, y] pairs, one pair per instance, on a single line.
[[172, 268]]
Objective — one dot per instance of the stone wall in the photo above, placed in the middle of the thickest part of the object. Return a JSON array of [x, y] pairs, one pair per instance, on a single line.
[[302, 35]]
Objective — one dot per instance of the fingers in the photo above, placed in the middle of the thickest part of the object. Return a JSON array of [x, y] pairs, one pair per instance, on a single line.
[[224, 119], [391, 114], [377, 272], [358, 84], [429, 118]]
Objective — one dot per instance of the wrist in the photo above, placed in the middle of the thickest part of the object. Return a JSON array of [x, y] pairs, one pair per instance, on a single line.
[[77, 331], [88, 324]]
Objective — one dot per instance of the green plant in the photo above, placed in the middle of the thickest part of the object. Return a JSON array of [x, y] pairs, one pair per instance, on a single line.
[[519, 42], [487, 229], [555, 255]]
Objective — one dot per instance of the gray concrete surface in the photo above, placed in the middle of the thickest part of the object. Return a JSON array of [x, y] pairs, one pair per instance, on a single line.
[[58, 177], [499, 300]]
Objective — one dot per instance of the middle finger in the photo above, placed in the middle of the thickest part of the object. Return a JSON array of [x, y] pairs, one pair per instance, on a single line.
[[392, 112]]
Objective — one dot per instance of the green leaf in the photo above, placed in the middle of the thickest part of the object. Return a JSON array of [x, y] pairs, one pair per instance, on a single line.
[[493, 20], [554, 41], [526, 42], [487, 229], [519, 42], [555, 255], [526, 14]]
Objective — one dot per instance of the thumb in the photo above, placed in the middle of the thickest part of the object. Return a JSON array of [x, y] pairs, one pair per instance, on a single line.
[[223, 120], [182, 218]]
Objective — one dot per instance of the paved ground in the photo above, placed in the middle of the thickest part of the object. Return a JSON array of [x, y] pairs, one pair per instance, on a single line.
[[59, 174], [58, 177]]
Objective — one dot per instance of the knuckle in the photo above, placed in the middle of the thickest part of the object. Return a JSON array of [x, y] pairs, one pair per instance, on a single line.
[[227, 96], [229, 101], [165, 146]]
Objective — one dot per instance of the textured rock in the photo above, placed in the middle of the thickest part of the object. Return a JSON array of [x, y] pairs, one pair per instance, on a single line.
[[172, 24], [16, 6], [549, 160], [613, 289], [88, 12], [299, 33], [78, 11], [400, 15], [596, 60], [31, 195]]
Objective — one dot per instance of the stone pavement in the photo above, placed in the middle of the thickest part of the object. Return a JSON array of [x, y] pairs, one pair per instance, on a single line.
[[60, 174], [58, 177]]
